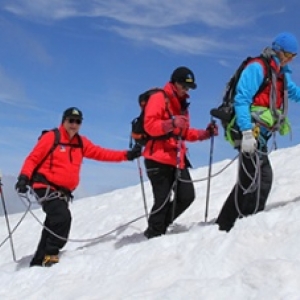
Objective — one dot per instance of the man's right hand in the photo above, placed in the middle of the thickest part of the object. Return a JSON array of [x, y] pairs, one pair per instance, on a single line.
[[179, 121], [21, 185]]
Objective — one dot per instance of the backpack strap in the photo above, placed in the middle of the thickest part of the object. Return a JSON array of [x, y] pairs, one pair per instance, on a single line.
[[266, 63], [171, 116], [79, 145], [167, 107], [270, 77], [278, 115], [35, 175], [54, 145]]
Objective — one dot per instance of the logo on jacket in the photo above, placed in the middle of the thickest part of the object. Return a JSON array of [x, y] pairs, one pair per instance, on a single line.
[[62, 148]]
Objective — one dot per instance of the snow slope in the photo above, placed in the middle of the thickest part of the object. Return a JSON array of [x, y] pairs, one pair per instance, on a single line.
[[258, 259]]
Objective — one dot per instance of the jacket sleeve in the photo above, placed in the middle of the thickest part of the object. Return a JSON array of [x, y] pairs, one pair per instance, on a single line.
[[194, 135], [250, 80], [95, 152], [155, 111], [38, 153], [293, 89]]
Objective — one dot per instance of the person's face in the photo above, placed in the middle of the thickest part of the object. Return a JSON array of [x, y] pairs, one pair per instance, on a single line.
[[182, 89], [72, 125], [285, 57]]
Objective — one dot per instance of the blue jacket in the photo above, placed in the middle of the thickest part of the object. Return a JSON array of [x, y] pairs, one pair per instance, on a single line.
[[250, 80]]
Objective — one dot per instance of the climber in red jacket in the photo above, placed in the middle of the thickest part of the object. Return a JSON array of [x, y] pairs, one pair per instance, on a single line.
[[167, 122], [54, 174]]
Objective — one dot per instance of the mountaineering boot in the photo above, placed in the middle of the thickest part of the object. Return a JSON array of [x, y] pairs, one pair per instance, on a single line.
[[37, 259], [150, 233], [36, 262], [50, 260]]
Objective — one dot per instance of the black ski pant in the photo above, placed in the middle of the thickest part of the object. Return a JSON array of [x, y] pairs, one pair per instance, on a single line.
[[163, 179], [58, 220], [247, 202]]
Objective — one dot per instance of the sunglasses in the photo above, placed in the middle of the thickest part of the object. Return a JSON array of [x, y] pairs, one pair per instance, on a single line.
[[185, 87], [289, 54], [77, 121]]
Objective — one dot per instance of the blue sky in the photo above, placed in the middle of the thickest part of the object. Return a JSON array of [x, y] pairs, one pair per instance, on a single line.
[[99, 55]]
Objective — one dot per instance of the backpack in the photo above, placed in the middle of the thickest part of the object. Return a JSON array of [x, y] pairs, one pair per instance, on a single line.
[[225, 112], [138, 133], [51, 150]]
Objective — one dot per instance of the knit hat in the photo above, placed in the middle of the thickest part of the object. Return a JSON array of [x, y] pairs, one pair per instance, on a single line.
[[72, 112], [285, 41], [185, 76]]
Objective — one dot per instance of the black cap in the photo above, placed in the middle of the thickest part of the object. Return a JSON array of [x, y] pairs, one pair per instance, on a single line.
[[72, 112], [184, 76]]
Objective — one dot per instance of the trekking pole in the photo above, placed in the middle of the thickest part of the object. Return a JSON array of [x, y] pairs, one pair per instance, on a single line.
[[212, 138], [7, 220], [143, 188], [141, 179], [177, 176]]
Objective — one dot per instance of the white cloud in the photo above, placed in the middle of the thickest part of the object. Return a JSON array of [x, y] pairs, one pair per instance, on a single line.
[[11, 91], [152, 13], [23, 42], [170, 24], [224, 63], [178, 42]]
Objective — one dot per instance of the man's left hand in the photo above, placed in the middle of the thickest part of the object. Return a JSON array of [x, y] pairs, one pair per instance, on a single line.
[[212, 129], [134, 153]]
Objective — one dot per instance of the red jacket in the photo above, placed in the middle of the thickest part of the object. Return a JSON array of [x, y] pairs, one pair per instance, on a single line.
[[165, 151], [62, 167]]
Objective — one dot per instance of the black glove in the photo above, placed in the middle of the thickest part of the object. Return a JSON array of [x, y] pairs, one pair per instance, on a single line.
[[135, 152], [212, 129], [21, 185]]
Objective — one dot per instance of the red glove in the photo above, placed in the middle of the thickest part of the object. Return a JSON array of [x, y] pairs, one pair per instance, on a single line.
[[180, 122]]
